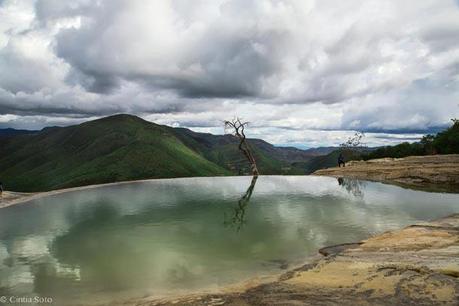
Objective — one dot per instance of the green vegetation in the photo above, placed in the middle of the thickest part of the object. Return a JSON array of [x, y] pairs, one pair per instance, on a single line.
[[446, 142], [124, 147], [223, 150], [111, 149]]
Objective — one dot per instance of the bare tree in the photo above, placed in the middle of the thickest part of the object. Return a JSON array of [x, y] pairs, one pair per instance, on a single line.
[[237, 127], [354, 141]]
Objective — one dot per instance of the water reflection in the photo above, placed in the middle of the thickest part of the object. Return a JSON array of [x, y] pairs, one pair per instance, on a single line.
[[163, 236], [238, 218], [352, 186]]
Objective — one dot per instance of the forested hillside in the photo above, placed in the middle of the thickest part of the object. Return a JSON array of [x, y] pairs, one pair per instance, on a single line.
[[125, 147], [445, 142]]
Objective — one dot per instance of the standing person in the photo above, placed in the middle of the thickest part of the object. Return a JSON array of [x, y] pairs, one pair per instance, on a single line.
[[1, 187], [341, 160]]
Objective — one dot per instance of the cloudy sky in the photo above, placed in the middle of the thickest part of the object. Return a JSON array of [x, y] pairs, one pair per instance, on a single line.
[[303, 72]]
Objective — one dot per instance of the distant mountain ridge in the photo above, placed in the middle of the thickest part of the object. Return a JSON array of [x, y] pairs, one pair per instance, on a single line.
[[12, 132], [322, 150], [126, 147]]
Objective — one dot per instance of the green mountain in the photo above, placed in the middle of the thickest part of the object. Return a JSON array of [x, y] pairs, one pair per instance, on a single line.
[[223, 150], [111, 149], [125, 147]]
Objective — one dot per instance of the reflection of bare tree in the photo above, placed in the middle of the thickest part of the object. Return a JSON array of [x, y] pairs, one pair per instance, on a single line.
[[238, 217], [353, 186]]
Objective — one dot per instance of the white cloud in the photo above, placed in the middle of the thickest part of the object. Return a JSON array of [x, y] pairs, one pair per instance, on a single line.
[[303, 72]]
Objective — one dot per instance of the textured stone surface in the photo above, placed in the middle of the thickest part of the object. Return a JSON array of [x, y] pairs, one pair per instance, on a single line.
[[439, 172], [418, 265]]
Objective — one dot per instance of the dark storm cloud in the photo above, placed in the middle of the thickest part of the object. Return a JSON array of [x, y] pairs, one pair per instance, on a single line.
[[399, 138], [229, 63]]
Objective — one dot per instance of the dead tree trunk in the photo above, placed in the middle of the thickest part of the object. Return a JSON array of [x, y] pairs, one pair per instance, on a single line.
[[238, 128]]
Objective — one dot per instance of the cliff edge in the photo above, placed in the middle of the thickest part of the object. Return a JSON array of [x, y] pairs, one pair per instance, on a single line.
[[440, 172]]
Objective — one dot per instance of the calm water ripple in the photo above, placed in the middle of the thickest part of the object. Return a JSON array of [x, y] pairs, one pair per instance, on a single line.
[[168, 236]]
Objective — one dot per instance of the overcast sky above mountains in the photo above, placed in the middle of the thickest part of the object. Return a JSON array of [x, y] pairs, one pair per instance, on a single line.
[[303, 72]]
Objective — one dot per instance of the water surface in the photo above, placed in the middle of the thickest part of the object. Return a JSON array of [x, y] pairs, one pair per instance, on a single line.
[[170, 236]]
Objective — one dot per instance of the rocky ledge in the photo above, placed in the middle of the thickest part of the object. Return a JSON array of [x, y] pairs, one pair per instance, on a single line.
[[417, 265], [437, 172]]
